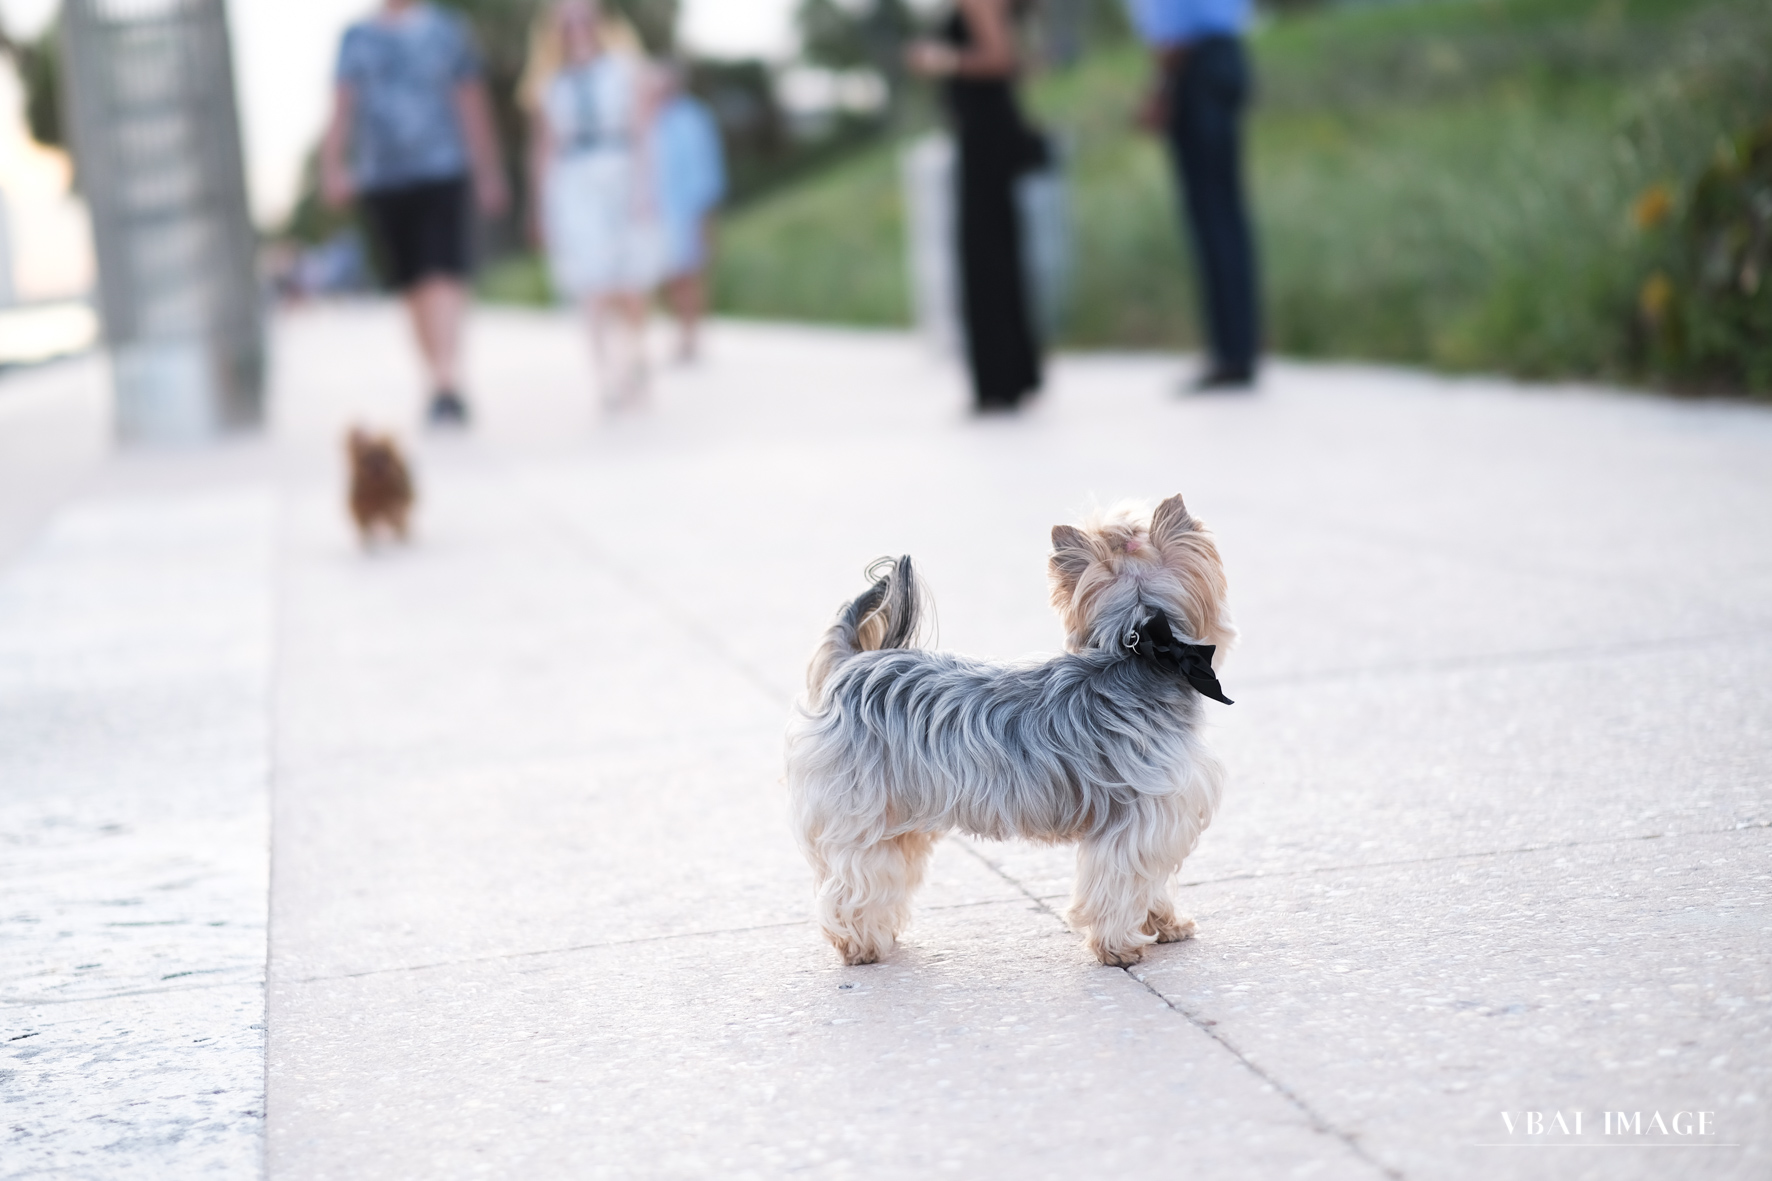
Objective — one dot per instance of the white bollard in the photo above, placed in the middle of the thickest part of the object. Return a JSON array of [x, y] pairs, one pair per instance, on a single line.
[[932, 242]]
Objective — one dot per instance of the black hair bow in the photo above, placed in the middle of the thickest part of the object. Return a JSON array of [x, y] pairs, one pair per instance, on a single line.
[[1155, 641]]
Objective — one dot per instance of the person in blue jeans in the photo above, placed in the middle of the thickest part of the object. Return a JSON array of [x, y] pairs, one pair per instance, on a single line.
[[1196, 102], [412, 140]]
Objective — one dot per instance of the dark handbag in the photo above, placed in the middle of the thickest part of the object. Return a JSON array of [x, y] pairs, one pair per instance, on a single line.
[[1033, 150]]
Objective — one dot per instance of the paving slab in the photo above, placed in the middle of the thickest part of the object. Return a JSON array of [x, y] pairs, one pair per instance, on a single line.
[[135, 644], [55, 430], [1500, 764], [1413, 1005], [1420, 765], [987, 1047]]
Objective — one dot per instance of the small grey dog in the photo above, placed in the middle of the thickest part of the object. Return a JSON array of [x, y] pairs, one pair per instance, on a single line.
[[896, 745]]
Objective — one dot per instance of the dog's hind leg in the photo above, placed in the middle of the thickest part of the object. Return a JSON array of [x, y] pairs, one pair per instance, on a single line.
[[864, 897]]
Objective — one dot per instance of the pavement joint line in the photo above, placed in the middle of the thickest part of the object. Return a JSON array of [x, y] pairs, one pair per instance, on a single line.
[[694, 627], [282, 560], [10, 1002], [1618, 650], [1414, 543], [1746, 826], [520, 955], [945, 906], [508, 955], [1318, 1122]]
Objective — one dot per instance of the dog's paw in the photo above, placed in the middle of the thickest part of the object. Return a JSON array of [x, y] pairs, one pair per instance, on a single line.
[[1170, 928], [1124, 958], [1117, 955], [857, 950]]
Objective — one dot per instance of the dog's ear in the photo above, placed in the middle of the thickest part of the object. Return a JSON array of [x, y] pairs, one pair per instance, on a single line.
[[1171, 522], [1188, 550], [1071, 555]]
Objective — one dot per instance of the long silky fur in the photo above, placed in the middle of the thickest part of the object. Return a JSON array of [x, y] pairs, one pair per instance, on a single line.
[[896, 745]]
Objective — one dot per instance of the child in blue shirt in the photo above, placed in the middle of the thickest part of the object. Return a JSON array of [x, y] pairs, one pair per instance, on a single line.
[[691, 183]]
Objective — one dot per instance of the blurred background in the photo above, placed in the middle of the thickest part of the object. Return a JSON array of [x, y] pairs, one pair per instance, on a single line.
[[1547, 188]]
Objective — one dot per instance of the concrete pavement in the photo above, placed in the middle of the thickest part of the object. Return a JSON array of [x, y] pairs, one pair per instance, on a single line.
[[1496, 838]]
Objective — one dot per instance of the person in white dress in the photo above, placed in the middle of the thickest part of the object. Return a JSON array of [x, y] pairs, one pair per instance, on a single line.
[[592, 97]]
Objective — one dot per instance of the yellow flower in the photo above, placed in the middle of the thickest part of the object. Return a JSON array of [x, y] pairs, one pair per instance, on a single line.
[[1656, 296], [1652, 207]]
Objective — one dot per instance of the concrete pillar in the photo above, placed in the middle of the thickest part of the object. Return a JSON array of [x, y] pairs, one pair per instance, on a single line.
[[155, 131]]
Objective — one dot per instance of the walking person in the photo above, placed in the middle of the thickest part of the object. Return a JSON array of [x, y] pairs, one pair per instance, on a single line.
[[977, 59], [592, 98], [1196, 102], [412, 140], [690, 175]]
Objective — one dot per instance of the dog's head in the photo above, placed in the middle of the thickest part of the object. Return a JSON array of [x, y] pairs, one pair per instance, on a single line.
[[376, 455], [1115, 571]]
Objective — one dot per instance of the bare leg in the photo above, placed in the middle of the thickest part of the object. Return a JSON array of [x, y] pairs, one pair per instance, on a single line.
[[639, 312], [697, 308], [626, 313], [597, 325], [687, 295], [437, 306]]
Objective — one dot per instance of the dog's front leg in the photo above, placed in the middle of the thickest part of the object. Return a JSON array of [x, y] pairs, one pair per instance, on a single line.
[[1122, 896], [1164, 923], [1113, 899], [864, 899]]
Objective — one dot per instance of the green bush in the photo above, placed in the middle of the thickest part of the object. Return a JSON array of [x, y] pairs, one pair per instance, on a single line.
[[1707, 313]]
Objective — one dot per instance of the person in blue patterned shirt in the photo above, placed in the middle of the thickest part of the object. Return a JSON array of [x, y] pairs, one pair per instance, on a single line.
[[1196, 102], [411, 134]]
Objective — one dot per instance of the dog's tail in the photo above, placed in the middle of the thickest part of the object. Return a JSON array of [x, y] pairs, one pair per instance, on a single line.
[[889, 614]]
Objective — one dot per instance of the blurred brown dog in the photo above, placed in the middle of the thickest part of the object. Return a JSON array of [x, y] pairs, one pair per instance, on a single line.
[[381, 485]]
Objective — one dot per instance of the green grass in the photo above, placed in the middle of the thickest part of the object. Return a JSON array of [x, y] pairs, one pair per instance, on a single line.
[[521, 279], [829, 249], [1446, 183]]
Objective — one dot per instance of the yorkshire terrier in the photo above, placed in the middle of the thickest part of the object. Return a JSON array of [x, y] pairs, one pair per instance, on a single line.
[[895, 745], [381, 485]]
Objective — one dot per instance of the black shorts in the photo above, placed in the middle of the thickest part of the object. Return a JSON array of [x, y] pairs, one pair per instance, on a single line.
[[421, 231]]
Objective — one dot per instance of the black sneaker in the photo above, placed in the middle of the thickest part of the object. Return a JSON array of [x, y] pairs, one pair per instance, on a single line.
[[447, 409], [1224, 381]]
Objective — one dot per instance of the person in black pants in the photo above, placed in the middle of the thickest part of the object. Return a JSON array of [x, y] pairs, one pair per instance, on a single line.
[[977, 58], [1197, 102], [412, 139]]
